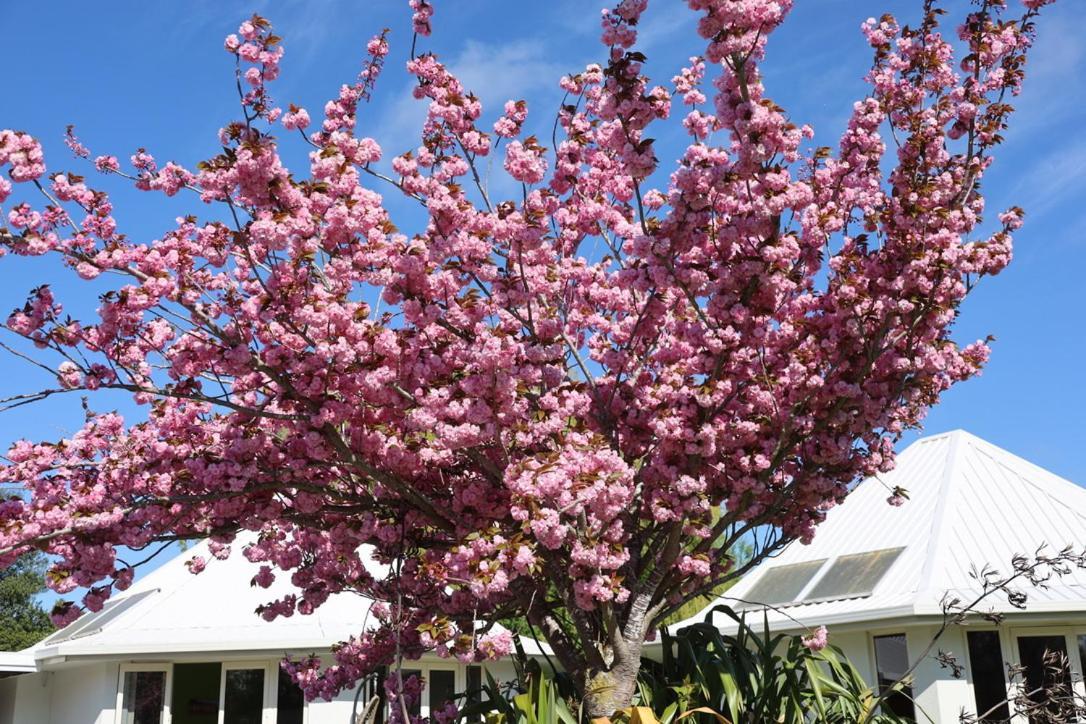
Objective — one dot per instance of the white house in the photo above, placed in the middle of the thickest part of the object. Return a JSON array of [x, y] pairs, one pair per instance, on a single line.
[[876, 575], [178, 648], [184, 649]]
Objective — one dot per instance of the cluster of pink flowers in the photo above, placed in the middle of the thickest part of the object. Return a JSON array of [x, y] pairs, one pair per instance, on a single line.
[[24, 155], [817, 640], [509, 125], [296, 119], [256, 46], [619, 24], [526, 162], [484, 415], [738, 28], [420, 19], [403, 694]]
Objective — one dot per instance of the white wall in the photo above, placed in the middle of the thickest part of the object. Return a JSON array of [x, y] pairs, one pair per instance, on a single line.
[[24, 699], [856, 645], [337, 711], [8, 689], [83, 695], [937, 692], [87, 694]]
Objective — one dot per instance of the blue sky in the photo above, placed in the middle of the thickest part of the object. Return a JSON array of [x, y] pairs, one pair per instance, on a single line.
[[155, 75]]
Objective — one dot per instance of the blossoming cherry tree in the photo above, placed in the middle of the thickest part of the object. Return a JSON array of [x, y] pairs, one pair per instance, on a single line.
[[569, 405]]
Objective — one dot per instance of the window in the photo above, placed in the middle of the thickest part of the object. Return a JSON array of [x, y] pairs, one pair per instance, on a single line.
[[891, 663], [782, 584], [142, 696], [208, 692], [850, 576], [475, 689], [854, 575], [986, 668], [290, 702], [195, 698], [242, 700], [440, 686], [1046, 677], [1082, 652], [92, 623]]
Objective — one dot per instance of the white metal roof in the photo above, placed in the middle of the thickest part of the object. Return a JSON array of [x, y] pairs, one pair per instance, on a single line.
[[970, 503], [16, 662], [172, 611]]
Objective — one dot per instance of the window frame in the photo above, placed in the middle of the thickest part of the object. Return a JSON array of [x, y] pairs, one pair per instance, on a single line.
[[874, 658], [1006, 643], [424, 668], [126, 668], [458, 684], [273, 678], [267, 712], [269, 706], [1070, 633]]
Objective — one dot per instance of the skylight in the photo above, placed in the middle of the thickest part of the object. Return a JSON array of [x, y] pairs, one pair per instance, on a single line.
[[853, 575], [92, 623], [849, 576], [782, 584]]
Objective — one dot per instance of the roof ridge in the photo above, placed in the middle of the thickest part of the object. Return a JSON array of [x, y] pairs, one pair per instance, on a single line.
[[927, 570]]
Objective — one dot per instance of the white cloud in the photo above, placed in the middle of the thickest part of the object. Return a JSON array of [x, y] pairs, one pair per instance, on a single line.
[[663, 23], [521, 69], [1052, 180], [1055, 87]]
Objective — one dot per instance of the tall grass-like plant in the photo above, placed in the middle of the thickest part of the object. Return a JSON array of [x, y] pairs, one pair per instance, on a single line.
[[533, 698], [752, 677]]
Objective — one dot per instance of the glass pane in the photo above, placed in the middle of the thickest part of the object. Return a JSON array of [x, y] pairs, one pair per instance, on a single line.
[[414, 707], [1047, 677], [782, 584], [92, 623], [143, 697], [291, 702], [442, 686], [475, 688], [854, 575], [375, 687], [1082, 652], [195, 697], [243, 699], [892, 661], [986, 667]]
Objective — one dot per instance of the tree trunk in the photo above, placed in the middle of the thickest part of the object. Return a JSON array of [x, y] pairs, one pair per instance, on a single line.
[[609, 690]]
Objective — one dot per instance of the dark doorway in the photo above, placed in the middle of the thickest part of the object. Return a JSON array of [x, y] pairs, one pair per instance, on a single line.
[[1046, 675], [291, 702], [243, 696], [986, 668], [195, 697]]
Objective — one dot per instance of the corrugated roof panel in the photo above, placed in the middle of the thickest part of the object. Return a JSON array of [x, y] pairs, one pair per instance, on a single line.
[[173, 610], [971, 503]]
